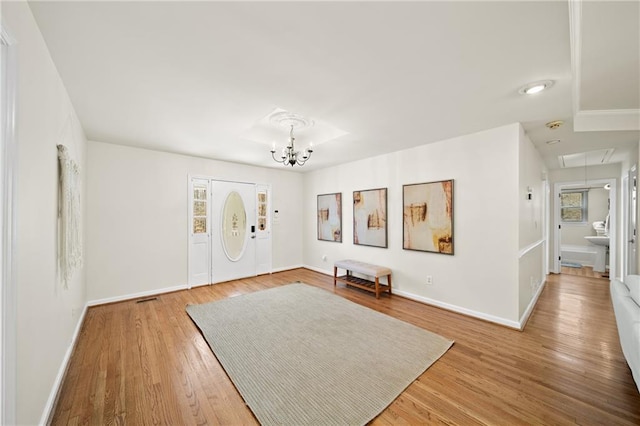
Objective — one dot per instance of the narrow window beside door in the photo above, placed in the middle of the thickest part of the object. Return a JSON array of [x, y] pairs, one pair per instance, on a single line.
[[262, 211], [199, 209]]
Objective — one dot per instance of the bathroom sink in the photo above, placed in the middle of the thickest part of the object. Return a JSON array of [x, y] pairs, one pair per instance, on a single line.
[[598, 240]]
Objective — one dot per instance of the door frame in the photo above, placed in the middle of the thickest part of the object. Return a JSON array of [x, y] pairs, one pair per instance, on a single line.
[[613, 221], [624, 198], [8, 194], [628, 219], [546, 221]]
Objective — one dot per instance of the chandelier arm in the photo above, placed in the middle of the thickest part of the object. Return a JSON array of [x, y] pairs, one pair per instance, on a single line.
[[304, 159], [273, 154]]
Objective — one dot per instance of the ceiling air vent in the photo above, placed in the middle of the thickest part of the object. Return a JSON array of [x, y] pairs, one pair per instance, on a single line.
[[581, 159]]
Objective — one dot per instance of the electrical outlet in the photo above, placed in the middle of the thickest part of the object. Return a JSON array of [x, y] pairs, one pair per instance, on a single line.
[[429, 280], [324, 257]]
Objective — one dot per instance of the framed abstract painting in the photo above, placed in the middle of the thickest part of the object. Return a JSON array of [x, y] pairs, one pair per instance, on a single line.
[[330, 217], [427, 223], [370, 217]]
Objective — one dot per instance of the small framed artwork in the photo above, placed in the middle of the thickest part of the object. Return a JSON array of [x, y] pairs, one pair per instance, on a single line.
[[427, 223], [370, 217], [330, 217]]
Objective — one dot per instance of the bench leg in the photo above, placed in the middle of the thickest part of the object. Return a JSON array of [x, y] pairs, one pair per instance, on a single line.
[[335, 274], [389, 282], [377, 288]]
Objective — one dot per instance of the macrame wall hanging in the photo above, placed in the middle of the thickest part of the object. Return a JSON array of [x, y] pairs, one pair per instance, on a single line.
[[70, 235]]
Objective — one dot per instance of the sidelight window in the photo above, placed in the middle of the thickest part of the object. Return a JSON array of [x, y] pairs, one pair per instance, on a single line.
[[199, 209]]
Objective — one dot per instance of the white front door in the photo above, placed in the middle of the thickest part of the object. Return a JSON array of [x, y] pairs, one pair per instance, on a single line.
[[233, 242]]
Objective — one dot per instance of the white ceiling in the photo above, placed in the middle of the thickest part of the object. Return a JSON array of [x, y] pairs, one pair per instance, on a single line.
[[194, 77]]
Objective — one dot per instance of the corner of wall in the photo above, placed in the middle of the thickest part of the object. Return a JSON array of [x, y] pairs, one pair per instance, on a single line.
[[532, 199]]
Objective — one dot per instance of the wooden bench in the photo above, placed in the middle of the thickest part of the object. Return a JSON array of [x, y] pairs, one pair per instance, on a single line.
[[375, 271]]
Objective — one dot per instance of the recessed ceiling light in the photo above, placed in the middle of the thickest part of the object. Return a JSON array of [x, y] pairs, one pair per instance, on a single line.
[[553, 142], [535, 87]]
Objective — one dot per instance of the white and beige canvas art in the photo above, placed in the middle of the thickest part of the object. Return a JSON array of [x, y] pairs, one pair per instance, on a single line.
[[370, 217], [428, 217], [330, 217]]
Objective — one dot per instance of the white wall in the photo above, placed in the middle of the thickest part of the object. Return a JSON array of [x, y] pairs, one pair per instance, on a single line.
[[481, 278], [531, 222], [47, 313], [137, 217]]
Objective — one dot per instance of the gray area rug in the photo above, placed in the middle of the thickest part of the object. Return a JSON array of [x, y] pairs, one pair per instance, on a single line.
[[302, 355]]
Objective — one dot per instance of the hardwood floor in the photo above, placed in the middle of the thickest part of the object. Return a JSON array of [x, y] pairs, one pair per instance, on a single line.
[[585, 271], [146, 363]]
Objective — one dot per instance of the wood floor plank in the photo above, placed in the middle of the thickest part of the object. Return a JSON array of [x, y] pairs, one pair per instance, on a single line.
[[147, 363]]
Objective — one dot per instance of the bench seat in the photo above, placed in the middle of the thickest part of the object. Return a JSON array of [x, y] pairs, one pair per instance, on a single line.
[[368, 269]]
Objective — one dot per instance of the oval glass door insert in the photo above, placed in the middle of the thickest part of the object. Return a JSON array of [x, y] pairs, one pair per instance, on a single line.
[[234, 226]]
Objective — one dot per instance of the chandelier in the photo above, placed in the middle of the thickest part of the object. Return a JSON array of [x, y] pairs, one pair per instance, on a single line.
[[289, 154]]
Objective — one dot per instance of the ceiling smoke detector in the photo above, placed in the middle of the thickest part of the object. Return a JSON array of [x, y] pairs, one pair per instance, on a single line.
[[553, 125]]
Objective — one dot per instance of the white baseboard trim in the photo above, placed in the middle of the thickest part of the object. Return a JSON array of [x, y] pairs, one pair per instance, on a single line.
[[53, 395], [322, 271], [443, 305], [137, 295], [167, 290], [286, 268], [193, 286], [458, 309], [532, 304]]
